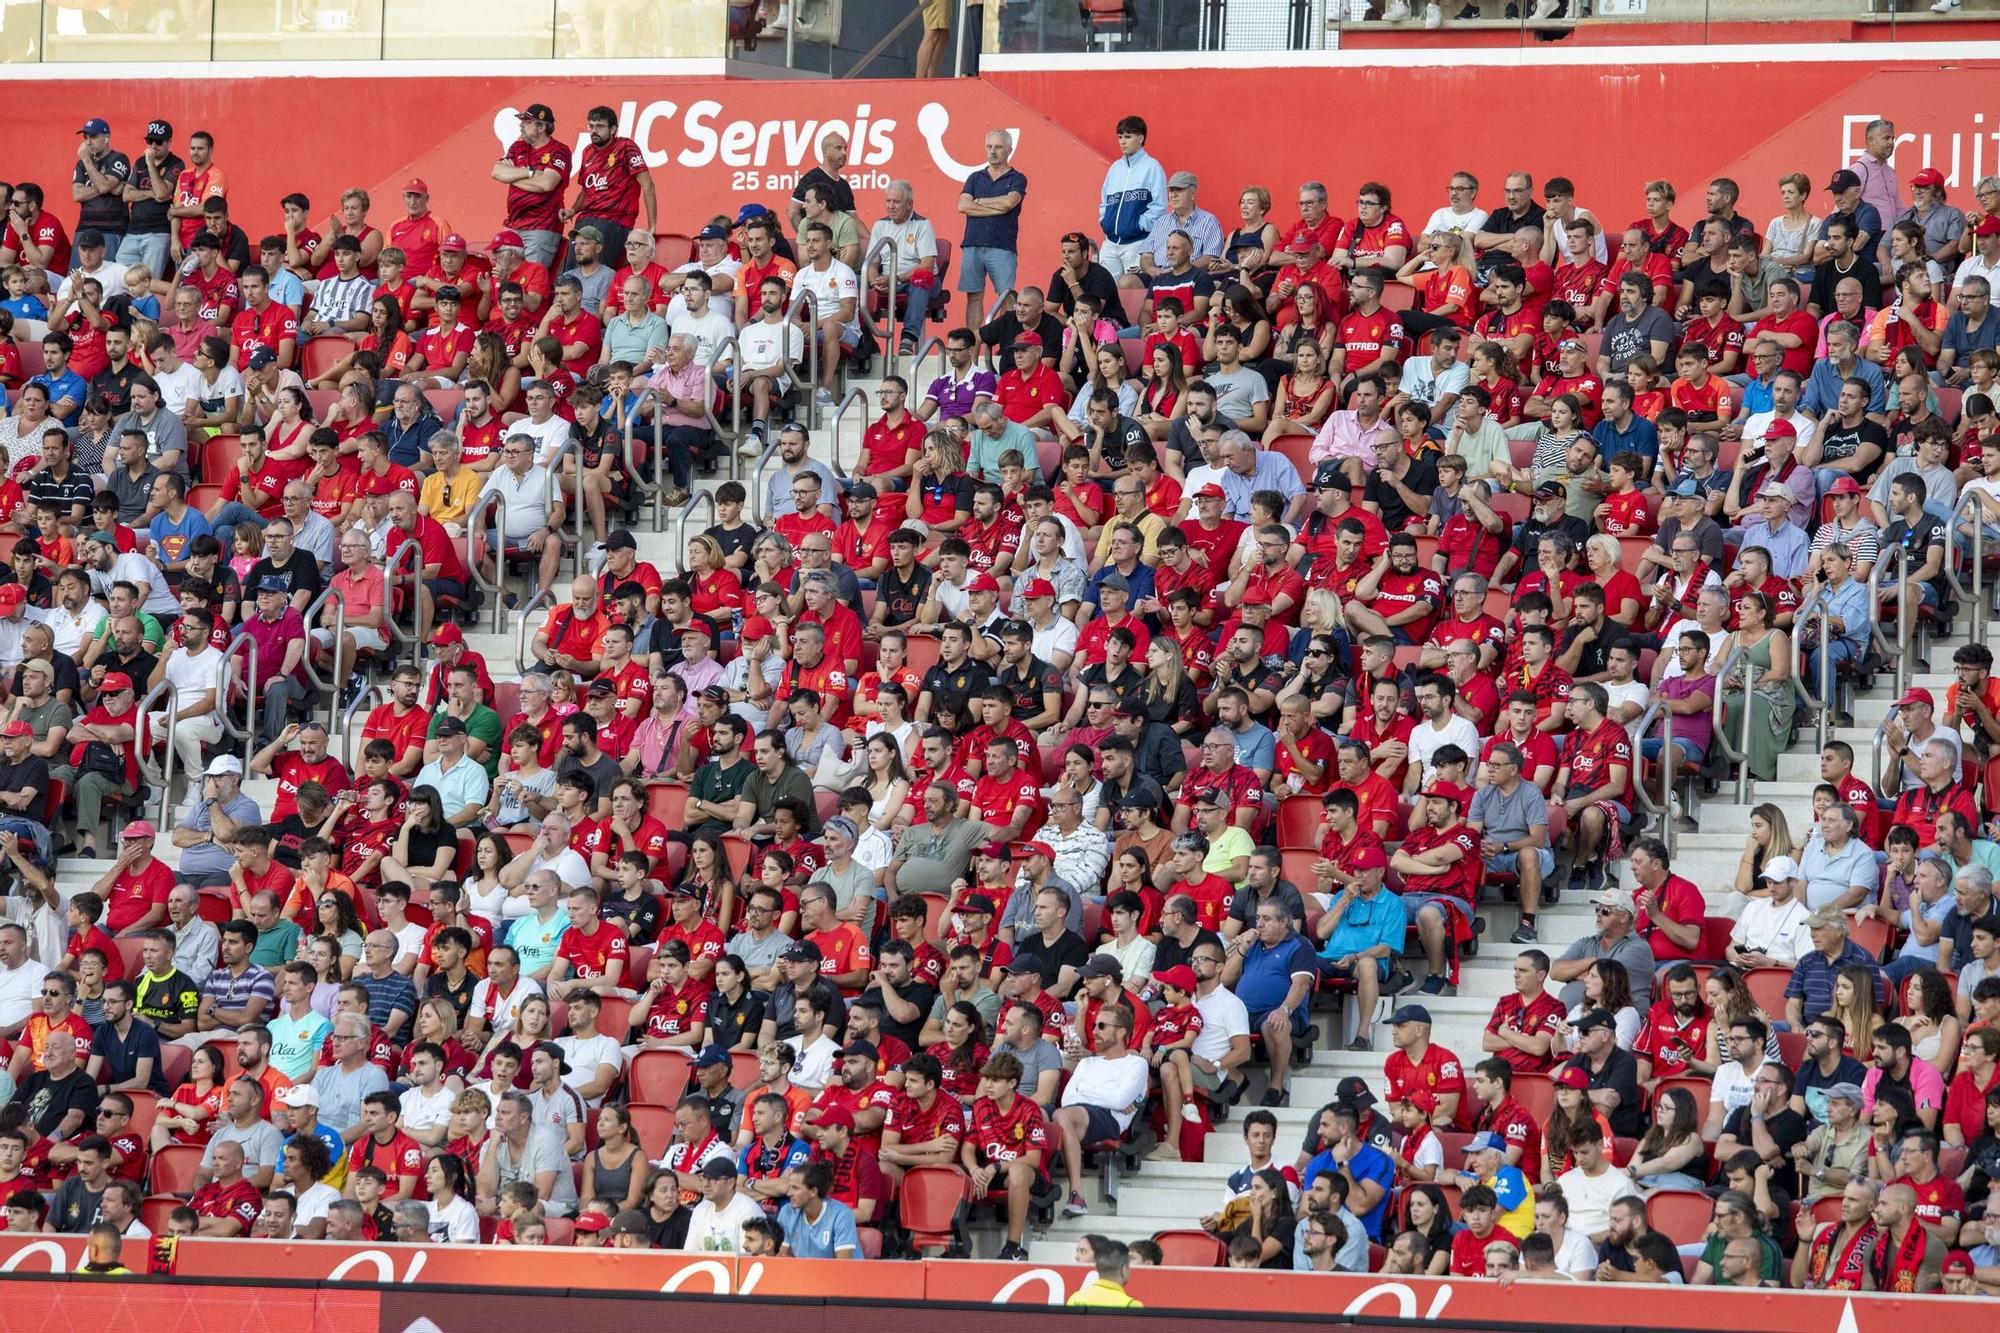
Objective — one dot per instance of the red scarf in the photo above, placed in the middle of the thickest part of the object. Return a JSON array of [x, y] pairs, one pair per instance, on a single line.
[[1827, 1271], [1897, 1270]]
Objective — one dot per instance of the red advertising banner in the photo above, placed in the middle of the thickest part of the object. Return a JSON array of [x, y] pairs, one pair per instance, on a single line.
[[420, 1267], [715, 144]]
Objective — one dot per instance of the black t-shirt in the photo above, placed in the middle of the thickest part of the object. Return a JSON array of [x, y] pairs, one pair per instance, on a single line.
[[104, 211], [1034, 679], [953, 685], [66, 675], [604, 771], [912, 992], [899, 597], [842, 193], [149, 216], [643, 914], [425, 844], [1421, 479], [1786, 1128], [1097, 282], [299, 574], [1826, 278], [1004, 330], [1112, 442], [40, 592], [783, 1008], [1068, 950], [728, 1023], [438, 986], [1917, 543], [1533, 529], [1621, 1075], [1597, 652], [739, 538], [48, 1099], [31, 774], [1126, 687], [1172, 953], [1837, 441], [115, 387], [76, 489]]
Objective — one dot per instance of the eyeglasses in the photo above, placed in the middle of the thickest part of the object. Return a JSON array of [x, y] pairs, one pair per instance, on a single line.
[[1604, 911], [54, 994]]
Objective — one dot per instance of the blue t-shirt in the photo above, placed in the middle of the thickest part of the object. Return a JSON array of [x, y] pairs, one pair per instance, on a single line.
[[1268, 972], [1367, 922], [175, 538], [1369, 1163], [25, 307], [1002, 231], [68, 385], [1639, 437], [822, 1239]]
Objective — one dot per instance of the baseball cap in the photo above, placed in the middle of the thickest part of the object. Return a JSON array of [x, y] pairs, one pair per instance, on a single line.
[[1843, 180], [1570, 1076], [1916, 694], [719, 1168], [1781, 867], [1614, 897], [1037, 849], [454, 243], [1038, 588], [980, 904], [712, 232], [1211, 492], [506, 239], [592, 1223], [685, 889], [1181, 977], [1844, 485], [1957, 1264], [1449, 791], [272, 583], [263, 358], [554, 1052], [450, 726], [1987, 226], [416, 185], [159, 131], [1781, 429], [604, 689], [1424, 1100], [751, 210], [1210, 796], [96, 125], [139, 829], [224, 763], [1929, 177], [1686, 488], [805, 951], [867, 1050], [1551, 490], [1847, 1092], [587, 232], [113, 682], [90, 238], [1328, 476], [1026, 341], [1181, 180], [1410, 1013], [17, 728], [540, 111], [1368, 856], [995, 850], [1484, 1141], [12, 595], [298, 1094], [621, 540], [41, 665], [982, 583], [710, 1057], [837, 1115], [631, 1222], [1826, 918], [1097, 965], [756, 627], [1594, 1018], [860, 490], [446, 634], [1353, 1090]]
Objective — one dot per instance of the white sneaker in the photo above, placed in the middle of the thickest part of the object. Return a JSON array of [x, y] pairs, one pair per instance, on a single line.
[[1546, 9], [1398, 11], [824, 398], [1944, 6], [1433, 15]]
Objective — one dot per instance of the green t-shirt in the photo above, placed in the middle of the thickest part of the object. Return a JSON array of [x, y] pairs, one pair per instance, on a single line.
[[156, 635], [483, 725]]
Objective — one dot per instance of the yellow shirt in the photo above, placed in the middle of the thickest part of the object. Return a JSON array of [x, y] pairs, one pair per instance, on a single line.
[[449, 501], [1103, 1291]]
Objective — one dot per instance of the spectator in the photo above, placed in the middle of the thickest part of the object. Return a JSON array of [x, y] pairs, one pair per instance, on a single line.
[[1368, 1172], [1913, 1087], [1591, 1186], [1771, 930], [1810, 991], [1611, 1073], [1615, 913], [1273, 972], [1906, 1257]]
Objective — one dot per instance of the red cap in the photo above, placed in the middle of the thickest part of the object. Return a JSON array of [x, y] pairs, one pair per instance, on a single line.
[[1916, 694], [995, 850], [756, 627], [507, 239], [454, 243], [591, 1222], [1029, 849], [1930, 177], [1987, 226], [113, 682], [980, 583], [11, 596], [415, 185], [1038, 588], [1211, 492], [1844, 485], [18, 728], [1449, 791], [836, 1115], [1569, 1076], [1181, 978], [26, 465], [447, 634], [1780, 429], [1368, 856], [1025, 341], [139, 830], [1423, 1099]]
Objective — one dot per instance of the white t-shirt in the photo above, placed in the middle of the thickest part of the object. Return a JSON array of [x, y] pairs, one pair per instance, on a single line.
[[550, 436], [914, 238], [814, 1065], [726, 301], [457, 1222], [312, 1204], [131, 567], [193, 675], [1057, 638], [19, 990], [1223, 1018], [584, 1055], [713, 1230], [1424, 382], [709, 330], [830, 286], [1590, 1197], [1634, 691], [72, 632], [1445, 219], [1426, 740], [110, 277], [178, 385], [1731, 1087], [422, 1112], [500, 1011], [765, 345], [527, 500], [410, 940]]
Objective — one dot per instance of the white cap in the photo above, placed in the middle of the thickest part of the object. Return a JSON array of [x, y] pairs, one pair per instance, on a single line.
[[1781, 867], [225, 763], [299, 1094]]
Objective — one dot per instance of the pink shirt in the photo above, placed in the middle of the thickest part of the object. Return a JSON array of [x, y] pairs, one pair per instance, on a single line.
[[1343, 437], [690, 381], [362, 595], [1926, 1085]]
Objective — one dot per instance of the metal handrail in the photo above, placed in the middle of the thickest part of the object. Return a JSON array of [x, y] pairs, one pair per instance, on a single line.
[[1977, 598], [248, 732], [473, 527], [415, 555], [166, 767], [757, 483], [732, 438], [803, 298], [552, 496], [1899, 667], [833, 444], [654, 489], [679, 543], [521, 638], [1738, 754], [887, 243], [311, 619], [1665, 809], [1821, 704], [368, 697], [924, 350]]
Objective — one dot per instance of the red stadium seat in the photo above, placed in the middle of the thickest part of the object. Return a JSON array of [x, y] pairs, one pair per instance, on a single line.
[[1537, 1093], [561, 1230], [175, 1061], [1298, 867], [740, 851], [743, 1072], [654, 1126], [659, 1077], [1871, 933], [1297, 449], [1767, 987], [323, 354], [155, 1209], [131, 953], [1190, 1249], [930, 1200], [145, 1107], [667, 802], [174, 1168], [1298, 822], [1680, 1215], [1701, 1089], [218, 457]]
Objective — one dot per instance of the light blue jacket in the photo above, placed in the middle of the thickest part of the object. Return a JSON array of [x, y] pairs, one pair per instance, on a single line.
[[1135, 194]]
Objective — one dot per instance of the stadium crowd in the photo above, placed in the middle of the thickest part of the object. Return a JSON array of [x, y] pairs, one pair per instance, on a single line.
[[1184, 663]]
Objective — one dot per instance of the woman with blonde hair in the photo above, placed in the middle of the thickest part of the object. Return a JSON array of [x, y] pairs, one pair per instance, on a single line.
[[1441, 269], [1251, 245], [1789, 237], [940, 490], [1770, 838], [1168, 694]]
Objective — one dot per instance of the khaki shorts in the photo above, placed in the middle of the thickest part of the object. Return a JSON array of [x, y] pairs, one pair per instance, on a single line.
[[937, 14], [1208, 1080]]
